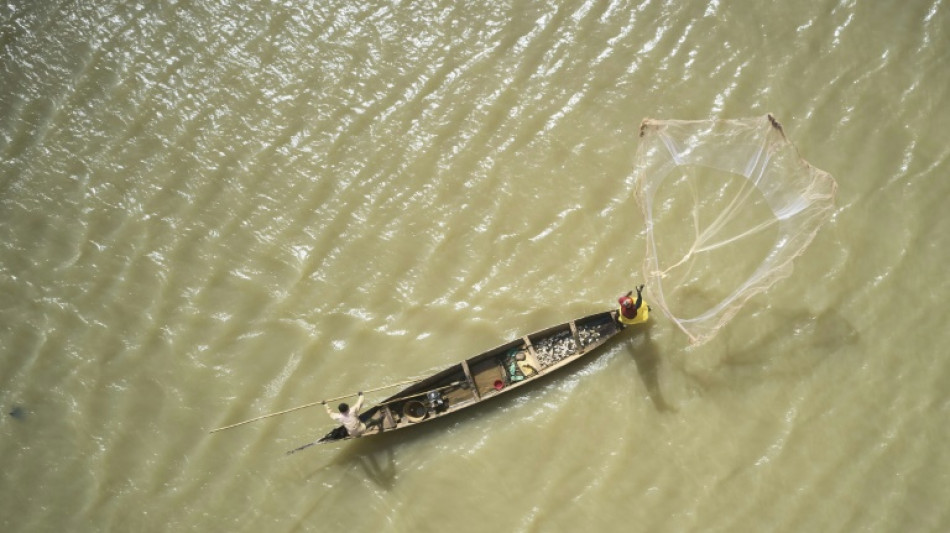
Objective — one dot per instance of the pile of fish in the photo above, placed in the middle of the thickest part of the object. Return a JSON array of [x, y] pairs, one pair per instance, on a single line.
[[588, 336], [553, 349]]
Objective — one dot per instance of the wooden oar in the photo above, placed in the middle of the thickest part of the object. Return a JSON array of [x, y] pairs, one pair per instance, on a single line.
[[311, 405]]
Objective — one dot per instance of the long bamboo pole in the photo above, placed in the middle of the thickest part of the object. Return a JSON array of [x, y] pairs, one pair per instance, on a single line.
[[311, 405]]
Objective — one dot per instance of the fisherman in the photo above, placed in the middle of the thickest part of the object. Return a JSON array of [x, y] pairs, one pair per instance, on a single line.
[[350, 418], [632, 312]]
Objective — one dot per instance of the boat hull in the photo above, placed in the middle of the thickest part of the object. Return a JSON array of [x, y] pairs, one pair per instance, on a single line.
[[486, 375]]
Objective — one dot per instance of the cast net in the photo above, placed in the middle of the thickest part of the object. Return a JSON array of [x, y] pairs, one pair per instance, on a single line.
[[728, 204]]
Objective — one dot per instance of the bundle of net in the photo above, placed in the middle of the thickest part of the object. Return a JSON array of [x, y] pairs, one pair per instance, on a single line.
[[728, 206]]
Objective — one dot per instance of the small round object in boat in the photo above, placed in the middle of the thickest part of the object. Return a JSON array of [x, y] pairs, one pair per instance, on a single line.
[[415, 411]]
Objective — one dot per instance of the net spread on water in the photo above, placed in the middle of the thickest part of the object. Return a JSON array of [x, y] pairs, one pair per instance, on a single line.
[[728, 204]]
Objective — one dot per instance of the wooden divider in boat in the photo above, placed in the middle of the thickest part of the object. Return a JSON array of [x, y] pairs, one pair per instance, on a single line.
[[487, 375]]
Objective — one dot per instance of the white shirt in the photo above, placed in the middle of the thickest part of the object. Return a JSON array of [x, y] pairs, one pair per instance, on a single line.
[[350, 420]]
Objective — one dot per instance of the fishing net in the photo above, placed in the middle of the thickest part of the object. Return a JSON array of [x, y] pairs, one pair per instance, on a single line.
[[728, 205]]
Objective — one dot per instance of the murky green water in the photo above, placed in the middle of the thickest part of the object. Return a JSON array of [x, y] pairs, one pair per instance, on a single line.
[[209, 212]]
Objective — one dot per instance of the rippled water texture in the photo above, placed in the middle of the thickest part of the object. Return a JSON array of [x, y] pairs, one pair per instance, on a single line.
[[210, 211]]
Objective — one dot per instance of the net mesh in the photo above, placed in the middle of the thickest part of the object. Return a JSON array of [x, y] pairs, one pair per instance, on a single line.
[[728, 205]]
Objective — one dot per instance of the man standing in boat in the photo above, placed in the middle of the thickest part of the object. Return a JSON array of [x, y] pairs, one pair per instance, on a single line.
[[632, 312], [350, 418]]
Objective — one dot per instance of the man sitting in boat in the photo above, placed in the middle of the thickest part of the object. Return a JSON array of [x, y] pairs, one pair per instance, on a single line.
[[632, 312], [349, 417]]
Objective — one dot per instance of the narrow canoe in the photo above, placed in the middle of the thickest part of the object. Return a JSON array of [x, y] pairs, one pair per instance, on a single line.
[[487, 375]]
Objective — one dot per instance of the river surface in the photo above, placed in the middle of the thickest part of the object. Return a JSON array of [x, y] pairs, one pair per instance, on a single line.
[[211, 211]]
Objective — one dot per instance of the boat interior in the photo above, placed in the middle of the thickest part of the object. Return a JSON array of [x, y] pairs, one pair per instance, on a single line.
[[490, 373]]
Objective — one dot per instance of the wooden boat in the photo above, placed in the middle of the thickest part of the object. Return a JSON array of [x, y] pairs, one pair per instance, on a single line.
[[485, 376]]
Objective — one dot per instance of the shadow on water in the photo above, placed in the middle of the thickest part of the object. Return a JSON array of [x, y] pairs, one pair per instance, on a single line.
[[646, 355], [374, 456], [793, 343], [376, 461], [371, 459], [817, 337], [17, 412], [821, 336]]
